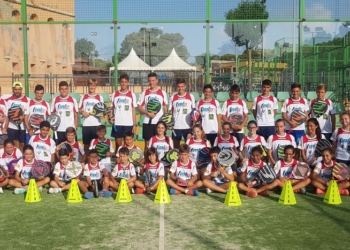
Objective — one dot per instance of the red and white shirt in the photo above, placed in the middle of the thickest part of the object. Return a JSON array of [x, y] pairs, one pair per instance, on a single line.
[[107, 160], [125, 172], [290, 105], [86, 103], [309, 145], [78, 150], [60, 171], [239, 106], [3, 112], [65, 108], [324, 171], [252, 169], [209, 111], [124, 146], [275, 141], [94, 172], [284, 169], [247, 144], [40, 108], [43, 147], [148, 95], [21, 102], [123, 104], [24, 168], [195, 147], [325, 121], [6, 158], [181, 107], [162, 146], [265, 107], [226, 144], [342, 137], [184, 171], [220, 178], [156, 171]]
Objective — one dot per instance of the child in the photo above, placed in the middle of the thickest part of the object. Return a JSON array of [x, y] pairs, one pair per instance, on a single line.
[[209, 109], [36, 106], [341, 139], [264, 110], [65, 107], [322, 174], [216, 177], [101, 131], [78, 151], [44, 146], [23, 173], [124, 104], [155, 171], [235, 105], [93, 171], [162, 143], [9, 152], [180, 107], [250, 141], [249, 176], [129, 144], [284, 168], [183, 174], [326, 119], [196, 143], [4, 121], [5, 182], [308, 142], [60, 180], [281, 138], [90, 123], [123, 170], [226, 140], [291, 104]]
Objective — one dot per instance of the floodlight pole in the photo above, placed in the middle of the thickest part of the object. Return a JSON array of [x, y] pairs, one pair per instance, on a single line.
[[25, 45]]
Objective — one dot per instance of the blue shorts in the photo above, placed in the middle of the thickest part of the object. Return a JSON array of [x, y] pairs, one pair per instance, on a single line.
[[239, 137], [118, 131], [347, 163], [297, 135], [178, 134], [266, 131], [218, 183], [16, 135]]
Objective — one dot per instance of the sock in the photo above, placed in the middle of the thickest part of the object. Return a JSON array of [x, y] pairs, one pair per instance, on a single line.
[[186, 191]]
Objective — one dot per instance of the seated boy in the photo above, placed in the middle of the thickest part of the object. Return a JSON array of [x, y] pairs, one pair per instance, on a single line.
[[101, 131], [183, 174], [216, 177], [284, 168], [5, 182], [93, 171], [78, 153], [123, 170]]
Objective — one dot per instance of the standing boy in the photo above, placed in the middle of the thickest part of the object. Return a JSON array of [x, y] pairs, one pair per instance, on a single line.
[[4, 121]]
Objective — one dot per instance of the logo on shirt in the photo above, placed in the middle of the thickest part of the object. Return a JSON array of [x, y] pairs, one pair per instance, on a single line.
[[38, 110], [233, 110], [150, 98], [40, 147], [342, 140], [63, 106], [296, 108], [163, 147], [122, 101], [90, 104], [326, 176], [181, 104], [208, 109], [266, 105]]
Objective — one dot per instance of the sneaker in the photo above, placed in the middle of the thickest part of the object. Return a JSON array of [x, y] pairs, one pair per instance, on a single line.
[[208, 190], [265, 193], [344, 192], [106, 193], [40, 189], [88, 195], [320, 191], [58, 190], [1, 191], [54, 190], [132, 190], [252, 194], [174, 191], [193, 192], [140, 191], [297, 191], [303, 190], [19, 190]]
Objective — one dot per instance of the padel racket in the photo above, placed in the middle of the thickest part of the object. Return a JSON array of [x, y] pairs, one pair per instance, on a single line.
[[99, 109], [54, 121], [320, 146], [2, 116], [135, 155], [74, 169], [340, 171], [300, 171], [203, 157], [15, 113], [39, 169], [3, 174], [11, 166], [196, 117], [95, 188], [147, 177], [235, 118], [153, 106], [226, 158], [69, 148], [319, 108], [299, 117], [280, 152], [266, 174], [172, 155], [110, 115], [102, 149], [168, 119], [35, 120]]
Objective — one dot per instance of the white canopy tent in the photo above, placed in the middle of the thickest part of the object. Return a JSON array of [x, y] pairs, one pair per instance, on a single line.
[[172, 63], [132, 63]]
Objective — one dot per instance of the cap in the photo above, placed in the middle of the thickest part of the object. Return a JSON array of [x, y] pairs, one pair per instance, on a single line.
[[17, 85]]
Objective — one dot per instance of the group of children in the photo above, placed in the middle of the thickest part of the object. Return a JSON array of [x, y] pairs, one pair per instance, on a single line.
[[259, 148]]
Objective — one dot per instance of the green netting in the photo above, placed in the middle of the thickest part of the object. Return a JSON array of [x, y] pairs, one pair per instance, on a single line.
[[322, 9]]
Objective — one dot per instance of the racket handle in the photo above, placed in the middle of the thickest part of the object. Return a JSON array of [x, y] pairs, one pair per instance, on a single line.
[[174, 133], [56, 135]]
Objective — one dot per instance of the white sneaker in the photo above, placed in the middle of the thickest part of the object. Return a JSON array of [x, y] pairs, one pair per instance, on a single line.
[[208, 190], [1, 191], [19, 190], [40, 189], [58, 190], [132, 190]]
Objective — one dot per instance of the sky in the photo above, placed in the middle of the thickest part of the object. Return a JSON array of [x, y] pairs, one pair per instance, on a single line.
[[194, 33]]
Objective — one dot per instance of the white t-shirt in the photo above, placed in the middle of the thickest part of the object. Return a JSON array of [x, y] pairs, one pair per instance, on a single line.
[[290, 105], [275, 141], [209, 111], [247, 144], [239, 106], [60, 171], [86, 103], [22, 102], [323, 171], [251, 169], [309, 145], [125, 172], [16, 154], [107, 160], [40, 108], [43, 148], [183, 171], [124, 146], [65, 108], [148, 95], [24, 168], [226, 144], [3, 112], [265, 107], [220, 178], [155, 171], [284, 169], [195, 147], [162, 146], [324, 120], [342, 137], [123, 104], [94, 172], [181, 107]]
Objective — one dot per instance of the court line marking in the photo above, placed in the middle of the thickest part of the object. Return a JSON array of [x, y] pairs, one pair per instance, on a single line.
[[161, 227]]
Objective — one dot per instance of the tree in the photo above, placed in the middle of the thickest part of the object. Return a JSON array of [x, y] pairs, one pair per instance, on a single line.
[[247, 34], [161, 45], [85, 49]]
